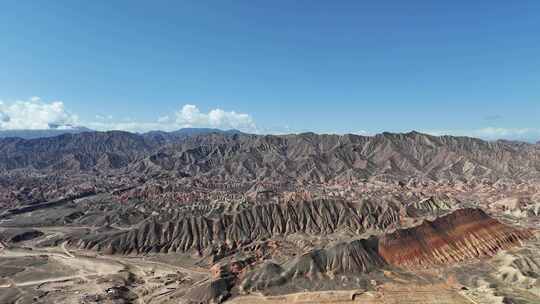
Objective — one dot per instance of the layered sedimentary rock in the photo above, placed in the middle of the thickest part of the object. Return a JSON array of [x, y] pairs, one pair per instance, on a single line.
[[430, 206], [359, 256], [302, 157], [213, 292], [197, 233], [45, 169], [462, 235]]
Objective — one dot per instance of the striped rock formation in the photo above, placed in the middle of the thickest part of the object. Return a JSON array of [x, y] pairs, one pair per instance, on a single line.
[[462, 235]]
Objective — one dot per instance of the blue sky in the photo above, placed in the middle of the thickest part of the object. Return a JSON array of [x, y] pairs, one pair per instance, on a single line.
[[458, 67]]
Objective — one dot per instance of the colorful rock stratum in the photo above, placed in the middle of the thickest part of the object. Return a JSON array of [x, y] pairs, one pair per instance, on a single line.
[[212, 217]]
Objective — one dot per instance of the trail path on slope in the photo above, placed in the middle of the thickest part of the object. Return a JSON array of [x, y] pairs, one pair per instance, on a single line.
[[433, 294], [84, 265], [37, 282], [63, 246], [92, 264]]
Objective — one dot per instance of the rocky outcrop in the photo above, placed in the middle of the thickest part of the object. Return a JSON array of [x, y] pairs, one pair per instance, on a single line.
[[199, 234], [16, 235], [462, 235], [431, 206], [323, 158], [359, 256], [517, 206], [79, 152], [213, 292]]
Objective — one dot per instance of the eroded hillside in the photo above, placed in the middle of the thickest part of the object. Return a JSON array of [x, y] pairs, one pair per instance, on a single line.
[[208, 217]]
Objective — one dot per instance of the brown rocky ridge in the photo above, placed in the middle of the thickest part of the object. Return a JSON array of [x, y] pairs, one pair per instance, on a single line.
[[462, 235]]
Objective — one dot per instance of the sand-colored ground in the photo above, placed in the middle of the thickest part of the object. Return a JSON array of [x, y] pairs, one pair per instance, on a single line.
[[82, 266], [386, 294], [58, 275]]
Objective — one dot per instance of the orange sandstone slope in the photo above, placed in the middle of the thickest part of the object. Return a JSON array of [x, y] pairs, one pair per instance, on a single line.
[[459, 236]]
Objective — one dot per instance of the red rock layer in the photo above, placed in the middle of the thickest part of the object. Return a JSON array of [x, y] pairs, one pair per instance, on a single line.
[[461, 235]]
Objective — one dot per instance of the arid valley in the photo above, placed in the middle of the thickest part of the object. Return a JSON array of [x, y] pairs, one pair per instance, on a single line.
[[162, 217]]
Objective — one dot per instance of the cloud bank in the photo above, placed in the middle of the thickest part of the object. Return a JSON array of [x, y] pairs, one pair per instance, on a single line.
[[493, 133], [188, 116], [35, 114], [191, 116]]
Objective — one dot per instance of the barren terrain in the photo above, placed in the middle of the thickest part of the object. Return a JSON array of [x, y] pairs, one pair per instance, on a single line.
[[117, 217]]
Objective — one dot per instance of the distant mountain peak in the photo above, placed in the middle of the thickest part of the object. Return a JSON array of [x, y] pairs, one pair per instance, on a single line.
[[54, 130]]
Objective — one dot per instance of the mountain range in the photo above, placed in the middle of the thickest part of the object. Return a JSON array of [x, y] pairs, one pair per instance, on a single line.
[[33, 134], [306, 157], [243, 216]]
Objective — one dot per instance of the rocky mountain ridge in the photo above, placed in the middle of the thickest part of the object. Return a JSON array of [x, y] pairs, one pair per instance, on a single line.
[[251, 214], [230, 231], [462, 235], [304, 157]]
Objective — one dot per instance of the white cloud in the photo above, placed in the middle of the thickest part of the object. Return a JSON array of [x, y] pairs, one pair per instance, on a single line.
[[362, 132], [4, 118], [35, 114], [191, 116], [164, 119], [131, 126], [498, 132], [104, 117], [492, 133]]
